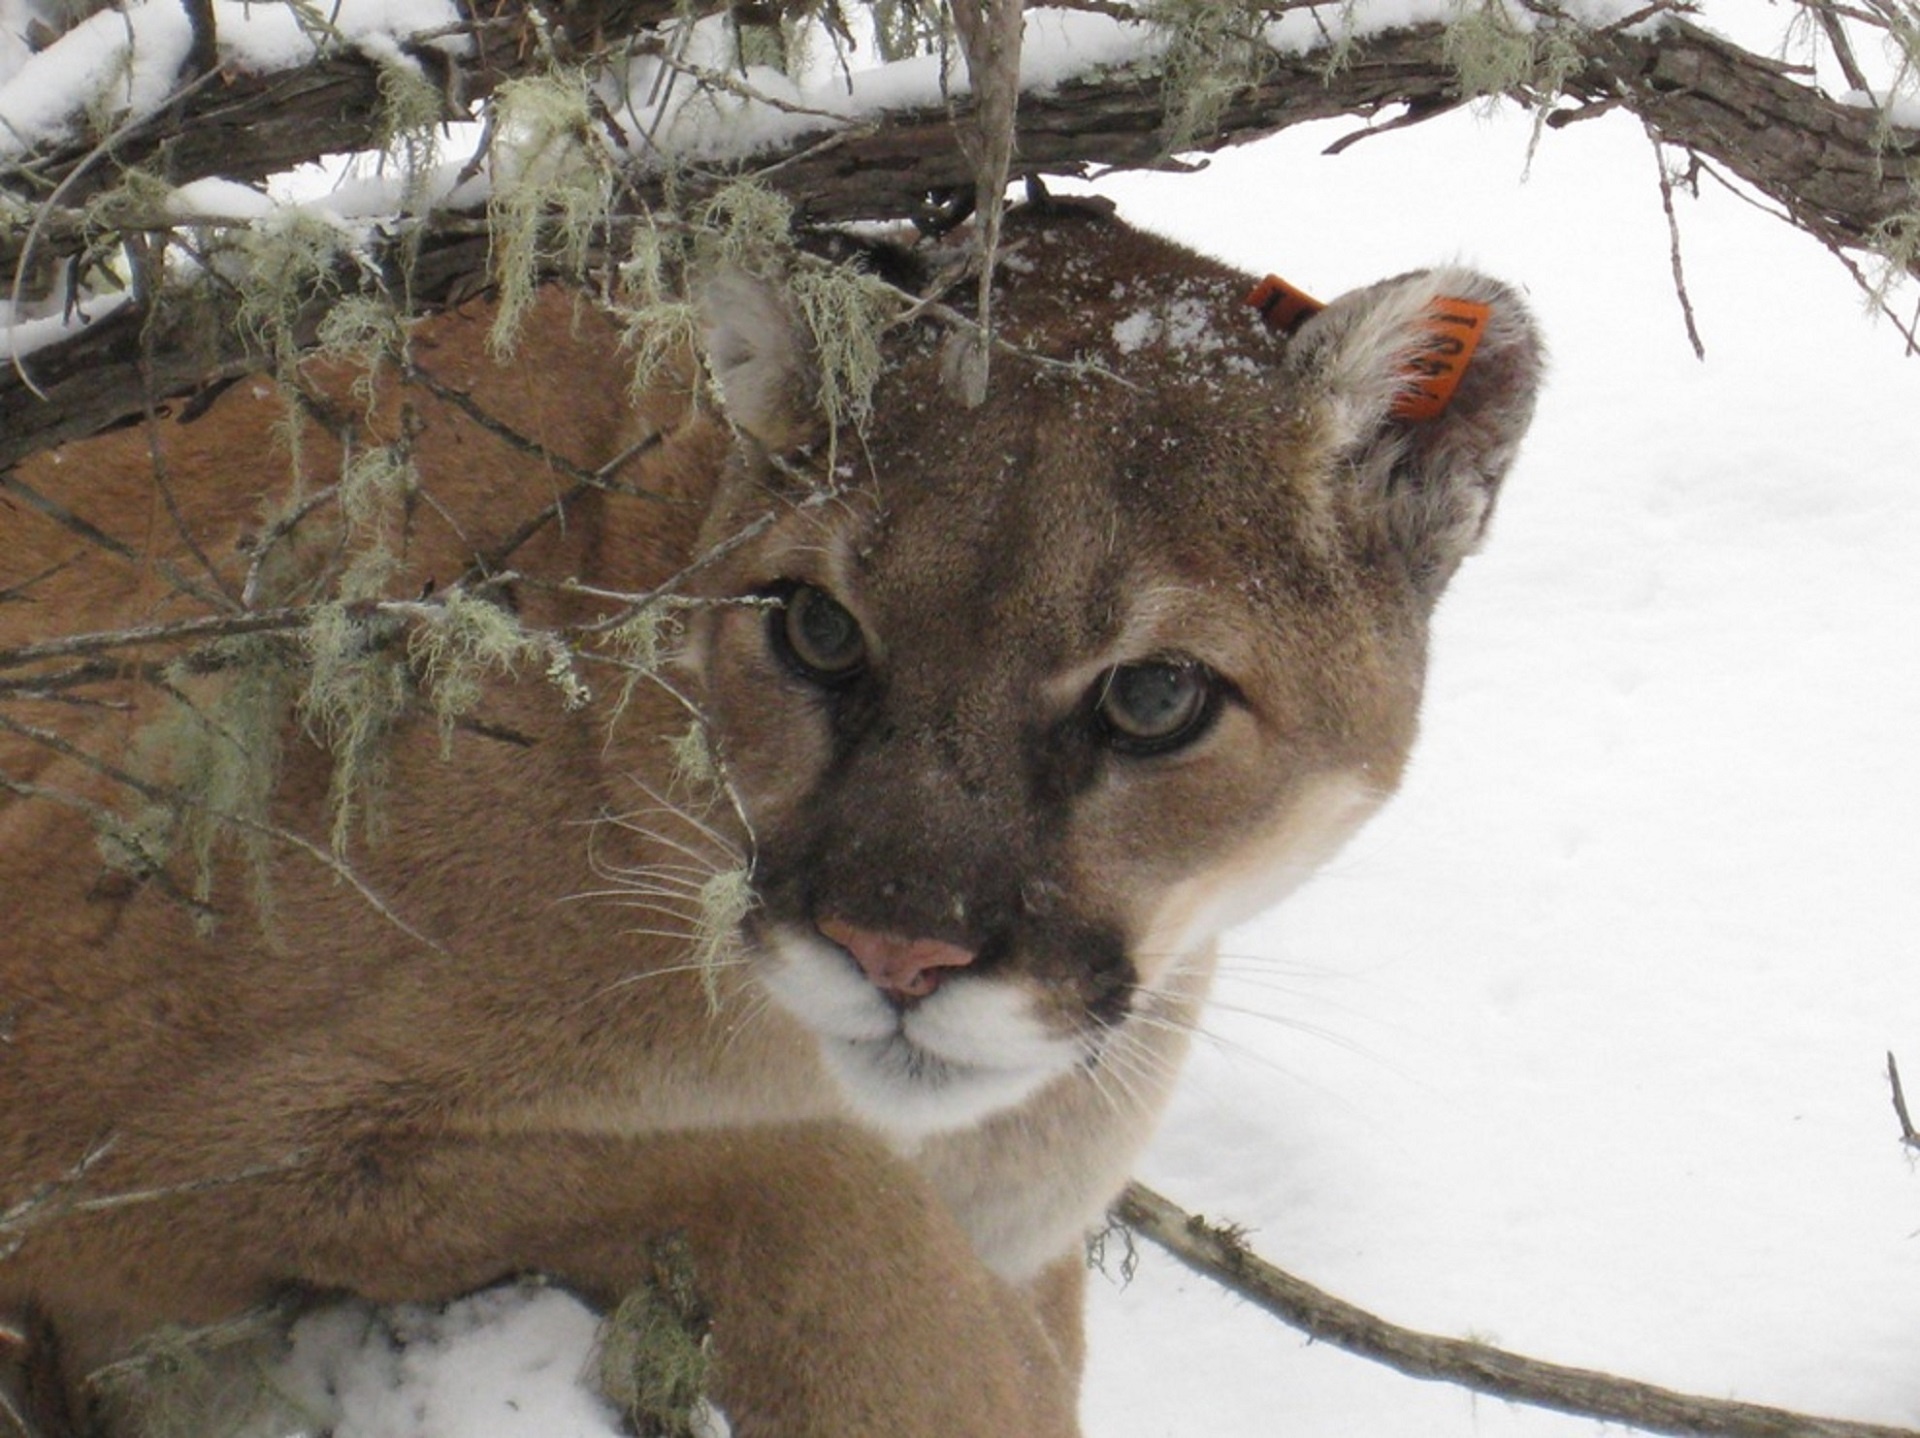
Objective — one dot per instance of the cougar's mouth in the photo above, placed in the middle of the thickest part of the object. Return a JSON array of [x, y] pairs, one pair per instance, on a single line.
[[973, 1046]]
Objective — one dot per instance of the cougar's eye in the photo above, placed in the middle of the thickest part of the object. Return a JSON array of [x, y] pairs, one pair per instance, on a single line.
[[1156, 706], [817, 637]]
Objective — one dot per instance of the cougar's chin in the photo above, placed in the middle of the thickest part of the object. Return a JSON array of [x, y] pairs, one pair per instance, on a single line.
[[965, 1052]]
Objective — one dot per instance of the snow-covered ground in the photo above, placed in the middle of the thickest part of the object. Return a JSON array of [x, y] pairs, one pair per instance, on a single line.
[[1581, 1047]]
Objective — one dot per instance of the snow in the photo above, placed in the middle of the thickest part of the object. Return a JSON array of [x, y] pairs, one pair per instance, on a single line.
[[1898, 107], [40, 331], [507, 1363], [127, 60], [1581, 1046], [122, 60], [217, 199]]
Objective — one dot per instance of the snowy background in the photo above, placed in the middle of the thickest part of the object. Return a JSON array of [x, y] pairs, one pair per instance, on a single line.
[[1580, 1048]]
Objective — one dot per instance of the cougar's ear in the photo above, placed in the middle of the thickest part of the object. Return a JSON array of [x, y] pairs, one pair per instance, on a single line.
[[761, 361], [1426, 384]]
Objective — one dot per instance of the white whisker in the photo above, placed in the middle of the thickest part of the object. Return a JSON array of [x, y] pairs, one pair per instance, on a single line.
[[674, 844], [652, 891], [723, 840], [675, 911], [627, 981], [678, 935], [685, 874]]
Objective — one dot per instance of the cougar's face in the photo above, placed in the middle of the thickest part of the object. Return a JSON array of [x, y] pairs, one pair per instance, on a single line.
[[1033, 698], [1019, 719]]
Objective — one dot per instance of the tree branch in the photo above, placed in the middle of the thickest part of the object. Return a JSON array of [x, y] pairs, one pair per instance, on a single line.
[[1222, 1254], [1838, 171]]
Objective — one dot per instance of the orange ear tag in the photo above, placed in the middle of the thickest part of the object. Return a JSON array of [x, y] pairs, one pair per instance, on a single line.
[[1283, 307], [1452, 333], [1453, 329]]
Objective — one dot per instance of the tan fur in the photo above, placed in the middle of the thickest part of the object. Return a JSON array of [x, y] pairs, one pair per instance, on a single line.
[[514, 1071]]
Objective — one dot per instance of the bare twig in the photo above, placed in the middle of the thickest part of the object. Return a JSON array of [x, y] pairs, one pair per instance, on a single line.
[[1673, 241], [1907, 1135], [215, 626], [601, 478], [163, 485], [490, 565], [1836, 32], [94, 535], [16, 1217], [179, 798], [1221, 1253], [632, 605], [59, 1199], [21, 592], [990, 33]]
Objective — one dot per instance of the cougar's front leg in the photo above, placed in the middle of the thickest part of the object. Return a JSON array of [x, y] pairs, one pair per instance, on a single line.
[[844, 1299]]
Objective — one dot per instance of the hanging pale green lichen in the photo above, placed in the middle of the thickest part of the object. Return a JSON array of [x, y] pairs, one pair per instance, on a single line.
[[1340, 26], [462, 640], [357, 690], [563, 673], [366, 333], [234, 759], [1487, 48], [407, 129], [288, 262], [217, 744], [659, 325], [693, 769], [552, 191], [747, 226], [1495, 53], [725, 901], [764, 37], [1212, 54], [376, 485], [213, 1382], [1895, 242], [907, 29], [641, 643], [845, 312]]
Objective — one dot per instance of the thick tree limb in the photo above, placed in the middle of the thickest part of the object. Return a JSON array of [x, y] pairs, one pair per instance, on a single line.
[[1221, 1253], [1836, 170], [1819, 157]]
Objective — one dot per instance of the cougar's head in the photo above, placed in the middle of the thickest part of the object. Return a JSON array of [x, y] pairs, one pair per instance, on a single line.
[[1039, 695]]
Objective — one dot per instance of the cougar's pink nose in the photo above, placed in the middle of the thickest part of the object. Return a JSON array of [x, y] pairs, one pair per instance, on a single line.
[[904, 968]]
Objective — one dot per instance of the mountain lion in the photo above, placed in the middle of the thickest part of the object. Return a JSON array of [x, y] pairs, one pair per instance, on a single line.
[[1009, 710]]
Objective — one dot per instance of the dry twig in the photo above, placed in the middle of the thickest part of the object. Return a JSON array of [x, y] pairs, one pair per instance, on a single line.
[[1221, 1253], [1673, 243], [1907, 1135]]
